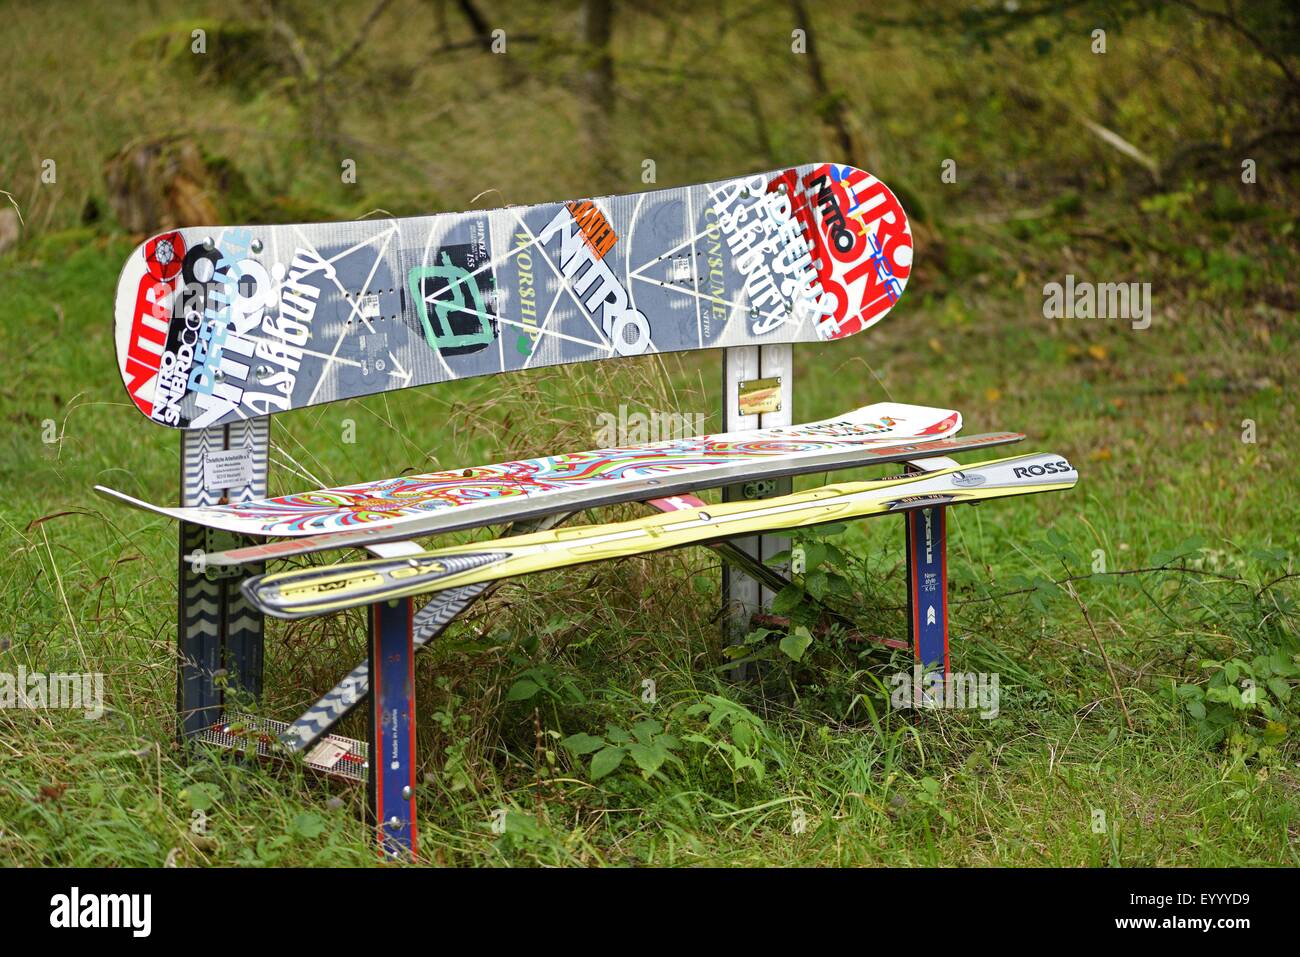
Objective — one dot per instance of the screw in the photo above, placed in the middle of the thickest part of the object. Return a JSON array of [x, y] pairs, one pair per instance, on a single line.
[[257, 246], [406, 793]]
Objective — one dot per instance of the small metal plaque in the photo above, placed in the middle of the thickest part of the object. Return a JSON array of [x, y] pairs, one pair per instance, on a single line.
[[231, 468], [759, 396]]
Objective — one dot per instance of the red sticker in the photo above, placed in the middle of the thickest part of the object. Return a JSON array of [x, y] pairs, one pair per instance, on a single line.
[[163, 256]]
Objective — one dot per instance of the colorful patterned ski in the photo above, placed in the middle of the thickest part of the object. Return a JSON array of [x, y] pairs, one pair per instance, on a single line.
[[312, 591], [674, 483], [492, 494]]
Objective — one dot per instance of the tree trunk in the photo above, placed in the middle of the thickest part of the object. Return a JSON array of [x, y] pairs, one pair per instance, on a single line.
[[597, 83], [829, 106]]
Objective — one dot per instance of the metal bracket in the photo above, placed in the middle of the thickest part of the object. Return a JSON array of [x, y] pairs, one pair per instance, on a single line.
[[759, 488], [219, 540]]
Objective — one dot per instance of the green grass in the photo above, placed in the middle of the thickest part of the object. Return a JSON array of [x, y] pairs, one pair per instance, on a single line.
[[811, 766]]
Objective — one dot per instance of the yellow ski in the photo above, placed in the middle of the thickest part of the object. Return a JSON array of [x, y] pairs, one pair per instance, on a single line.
[[314, 591]]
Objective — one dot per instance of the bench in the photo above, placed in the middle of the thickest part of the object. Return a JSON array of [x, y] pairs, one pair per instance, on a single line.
[[219, 330]]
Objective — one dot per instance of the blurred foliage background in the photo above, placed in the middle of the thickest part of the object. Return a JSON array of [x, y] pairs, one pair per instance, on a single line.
[[255, 126]]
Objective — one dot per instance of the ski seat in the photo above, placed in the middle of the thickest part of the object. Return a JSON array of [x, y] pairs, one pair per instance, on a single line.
[[452, 499]]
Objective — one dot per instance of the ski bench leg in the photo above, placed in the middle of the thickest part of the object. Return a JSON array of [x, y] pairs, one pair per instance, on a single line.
[[391, 784], [927, 578], [219, 634], [927, 587]]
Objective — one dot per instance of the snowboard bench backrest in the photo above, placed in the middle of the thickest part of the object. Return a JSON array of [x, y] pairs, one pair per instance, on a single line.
[[216, 326]]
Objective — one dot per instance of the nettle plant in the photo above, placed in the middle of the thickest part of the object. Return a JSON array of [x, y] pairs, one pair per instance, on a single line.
[[646, 744], [1248, 705], [824, 573], [714, 732]]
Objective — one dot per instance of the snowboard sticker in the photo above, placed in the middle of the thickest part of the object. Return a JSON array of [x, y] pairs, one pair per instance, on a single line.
[[217, 325]]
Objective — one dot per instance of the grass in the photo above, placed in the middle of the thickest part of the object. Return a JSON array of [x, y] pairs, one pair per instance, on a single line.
[[812, 767]]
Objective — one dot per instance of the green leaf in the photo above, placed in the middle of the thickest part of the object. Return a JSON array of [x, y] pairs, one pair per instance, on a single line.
[[1057, 539], [523, 825], [1189, 547], [1269, 556], [1282, 665], [816, 582], [796, 643], [1281, 690], [787, 599], [606, 761], [1224, 695], [648, 759], [307, 824], [646, 729], [822, 531], [583, 743], [1196, 709], [814, 554], [841, 586], [522, 690], [201, 796], [616, 734]]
